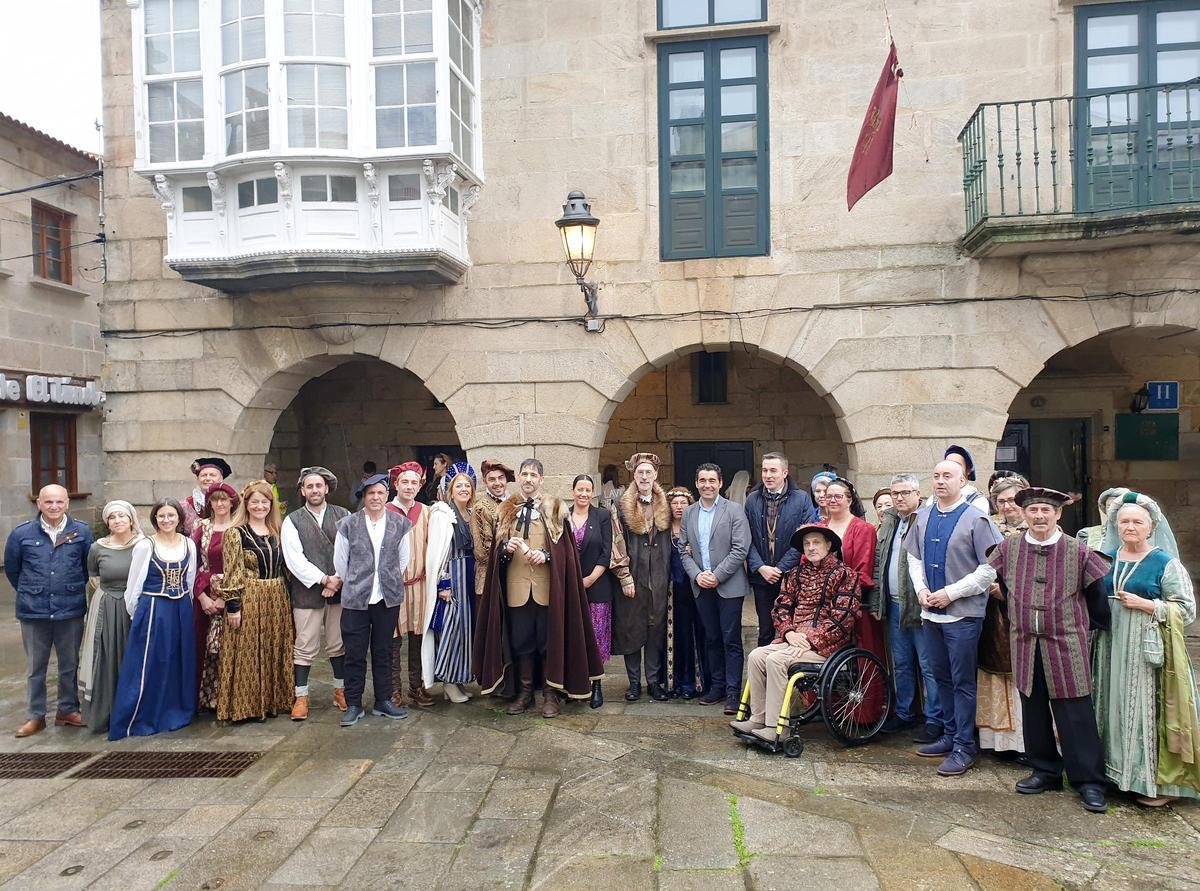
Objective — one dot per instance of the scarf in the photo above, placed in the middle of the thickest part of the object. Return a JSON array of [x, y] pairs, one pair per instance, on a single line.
[[198, 499]]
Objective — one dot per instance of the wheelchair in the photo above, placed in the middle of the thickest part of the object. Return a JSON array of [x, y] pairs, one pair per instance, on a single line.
[[836, 689]]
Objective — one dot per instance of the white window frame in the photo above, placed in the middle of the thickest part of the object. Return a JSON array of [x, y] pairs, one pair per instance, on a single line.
[[240, 21], [243, 111]]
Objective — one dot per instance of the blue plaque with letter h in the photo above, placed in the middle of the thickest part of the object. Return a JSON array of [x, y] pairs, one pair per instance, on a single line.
[[1164, 395]]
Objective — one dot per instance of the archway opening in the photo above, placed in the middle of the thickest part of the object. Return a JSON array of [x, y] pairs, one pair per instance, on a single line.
[[359, 411], [729, 408], [1077, 427]]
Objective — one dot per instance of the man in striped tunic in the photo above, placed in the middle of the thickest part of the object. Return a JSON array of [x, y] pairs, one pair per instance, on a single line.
[[1052, 585]]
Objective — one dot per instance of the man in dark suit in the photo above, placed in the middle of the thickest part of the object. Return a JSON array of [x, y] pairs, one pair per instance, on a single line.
[[715, 540], [775, 509]]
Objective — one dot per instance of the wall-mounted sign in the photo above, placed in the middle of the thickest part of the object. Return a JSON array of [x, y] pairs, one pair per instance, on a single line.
[[48, 389], [1147, 437], [1164, 395]]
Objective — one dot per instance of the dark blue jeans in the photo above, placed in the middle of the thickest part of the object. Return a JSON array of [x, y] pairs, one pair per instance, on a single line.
[[953, 649], [909, 658], [38, 636], [722, 620]]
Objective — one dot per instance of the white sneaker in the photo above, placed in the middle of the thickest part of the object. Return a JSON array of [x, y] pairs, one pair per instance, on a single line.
[[455, 693]]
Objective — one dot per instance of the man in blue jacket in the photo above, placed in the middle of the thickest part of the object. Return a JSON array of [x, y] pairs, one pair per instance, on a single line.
[[45, 560], [775, 509]]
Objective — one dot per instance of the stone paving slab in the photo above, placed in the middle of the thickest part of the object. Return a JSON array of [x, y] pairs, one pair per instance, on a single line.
[[701, 880], [441, 817], [73, 809], [244, 855], [1058, 865], [324, 857], [695, 827], [587, 872], [495, 854], [16, 855], [519, 795], [774, 873]]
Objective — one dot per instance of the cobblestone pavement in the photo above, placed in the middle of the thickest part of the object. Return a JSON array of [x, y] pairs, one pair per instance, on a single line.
[[633, 796]]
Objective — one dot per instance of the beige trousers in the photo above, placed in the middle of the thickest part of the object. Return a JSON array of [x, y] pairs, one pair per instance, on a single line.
[[308, 633], [769, 677]]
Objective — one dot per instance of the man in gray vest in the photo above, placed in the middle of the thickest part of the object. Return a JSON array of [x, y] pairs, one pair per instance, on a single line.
[[307, 537], [370, 555]]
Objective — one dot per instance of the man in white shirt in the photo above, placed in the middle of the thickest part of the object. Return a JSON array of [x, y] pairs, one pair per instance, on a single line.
[[370, 555], [308, 537], [947, 561]]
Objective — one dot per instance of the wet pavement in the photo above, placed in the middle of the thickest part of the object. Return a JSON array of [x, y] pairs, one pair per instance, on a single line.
[[632, 796]]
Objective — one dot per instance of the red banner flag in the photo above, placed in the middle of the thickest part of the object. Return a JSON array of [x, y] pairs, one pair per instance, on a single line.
[[872, 162]]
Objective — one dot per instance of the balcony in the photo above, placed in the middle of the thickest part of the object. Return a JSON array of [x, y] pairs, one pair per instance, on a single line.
[[1090, 172]]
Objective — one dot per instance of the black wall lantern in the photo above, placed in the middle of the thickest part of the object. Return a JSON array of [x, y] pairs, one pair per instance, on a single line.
[[1141, 400], [578, 227]]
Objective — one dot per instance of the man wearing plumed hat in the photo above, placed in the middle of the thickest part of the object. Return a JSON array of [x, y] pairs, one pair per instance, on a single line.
[[307, 538], [1052, 584]]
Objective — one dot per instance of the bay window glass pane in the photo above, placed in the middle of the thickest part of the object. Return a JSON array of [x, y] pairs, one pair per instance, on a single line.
[[343, 188], [234, 133], [333, 128], [687, 176], [158, 16], [422, 127], [160, 104], [246, 194], [1178, 65], [233, 92], [388, 35], [739, 173], [389, 85], [268, 190], [740, 99], [687, 140], [191, 141], [158, 55], [389, 127], [257, 132], [297, 35], [739, 136], [253, 7], [186, 15], [686, 104], [297, 5], [421, 82], [1106, 32], [404, 187], [455, 49], [418, 34], [736, 10], [162, 142], [680, 13], [301, 81], [191, 100], [313, 188], [302, 127], [197, 199], [254, 39], [685, 67], [187, 51], [256, 87], [330, 35], [329, 6], [1112, 71], [331, 85], [1182, 26], [736, 63], [230, 43]]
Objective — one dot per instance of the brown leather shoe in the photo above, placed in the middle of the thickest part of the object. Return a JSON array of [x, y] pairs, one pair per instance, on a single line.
[[550, 707], [30, 727], [420, 696], [69, 719], [339, 698], [300, 709], [525, 680]]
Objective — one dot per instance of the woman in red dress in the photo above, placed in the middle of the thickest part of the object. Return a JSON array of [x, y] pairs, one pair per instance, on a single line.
[[208, 604], [847, 519]]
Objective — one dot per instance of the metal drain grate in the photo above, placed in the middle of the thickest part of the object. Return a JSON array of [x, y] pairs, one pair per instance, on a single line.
[[38, 765], [167, 765]]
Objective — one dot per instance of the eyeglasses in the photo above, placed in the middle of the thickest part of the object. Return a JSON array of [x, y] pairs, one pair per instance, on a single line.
[[1004, 502], [903, 493], [832, 497]]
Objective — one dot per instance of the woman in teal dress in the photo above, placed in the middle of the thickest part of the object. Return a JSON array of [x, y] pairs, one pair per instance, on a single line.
[[1144, 689]]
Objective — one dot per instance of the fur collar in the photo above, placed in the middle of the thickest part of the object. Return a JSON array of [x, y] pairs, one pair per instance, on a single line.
[[634, 518], [553, 510]]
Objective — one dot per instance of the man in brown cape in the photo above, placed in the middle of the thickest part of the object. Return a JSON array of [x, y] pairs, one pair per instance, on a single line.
[[533, 610]]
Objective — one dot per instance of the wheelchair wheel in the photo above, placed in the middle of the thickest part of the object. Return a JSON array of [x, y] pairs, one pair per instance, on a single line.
[[806, 703], [793, 747], [855, 696]]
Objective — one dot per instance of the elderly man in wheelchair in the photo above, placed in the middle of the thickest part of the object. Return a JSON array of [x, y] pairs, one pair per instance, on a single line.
[[810, 663]]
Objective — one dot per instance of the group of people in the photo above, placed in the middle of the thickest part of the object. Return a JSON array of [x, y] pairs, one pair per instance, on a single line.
[[1000, 632]]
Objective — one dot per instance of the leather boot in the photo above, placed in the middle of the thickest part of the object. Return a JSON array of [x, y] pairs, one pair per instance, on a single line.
[[597, 695], [398, 699], [550, 707], [525, 694]]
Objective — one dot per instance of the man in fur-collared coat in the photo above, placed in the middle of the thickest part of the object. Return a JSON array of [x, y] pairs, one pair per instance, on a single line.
[[533, 610], [638, 621]]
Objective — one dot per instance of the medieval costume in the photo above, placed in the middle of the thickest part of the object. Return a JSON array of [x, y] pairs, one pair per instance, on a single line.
[[948, 550], [1093, 536], [371, 556], [594, 544], [106, 633], [411, 619], [484, 515], [1053, 592], [307, 538], [449, 593], [156, 689], [193, 505], [255, 677], [819, 600], [1145, 687], [682, 673], [637, 622], [210, 553], [530, 613]]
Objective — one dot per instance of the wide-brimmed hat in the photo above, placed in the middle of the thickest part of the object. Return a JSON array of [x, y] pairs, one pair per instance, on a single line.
[[220, 463], [835, 541], [1041, 495], [642, 458], [323, 472], [488, 466]]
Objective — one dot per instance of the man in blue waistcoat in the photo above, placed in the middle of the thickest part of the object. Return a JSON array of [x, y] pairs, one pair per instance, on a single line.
[[45, 560]]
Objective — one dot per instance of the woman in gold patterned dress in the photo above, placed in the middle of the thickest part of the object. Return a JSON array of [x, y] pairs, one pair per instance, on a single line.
[[256, 679]]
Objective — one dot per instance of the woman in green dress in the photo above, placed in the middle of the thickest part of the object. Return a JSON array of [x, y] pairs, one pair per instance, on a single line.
[[1145, 691]]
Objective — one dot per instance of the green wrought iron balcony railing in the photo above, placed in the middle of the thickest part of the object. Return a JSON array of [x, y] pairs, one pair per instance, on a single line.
[[1102, 154]]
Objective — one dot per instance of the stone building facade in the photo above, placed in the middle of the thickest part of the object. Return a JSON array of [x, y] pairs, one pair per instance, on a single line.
[[868, 339], [50, 350]]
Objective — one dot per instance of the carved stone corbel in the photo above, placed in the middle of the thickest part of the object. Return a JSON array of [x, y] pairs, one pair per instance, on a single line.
[[166, 196], [372, 178], [283, 176], [218, 198]]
